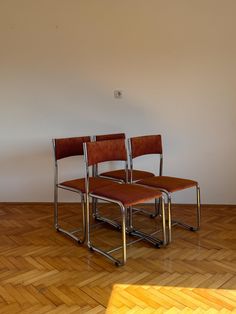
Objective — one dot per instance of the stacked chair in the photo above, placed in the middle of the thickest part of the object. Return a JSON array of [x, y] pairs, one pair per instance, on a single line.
[[152, 144], [125, 195], [125, 187], [121, 175], [127, 175], [65, 148]]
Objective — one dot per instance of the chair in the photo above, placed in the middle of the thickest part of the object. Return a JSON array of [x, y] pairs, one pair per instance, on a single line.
[[152, 144], [64, 148], [115, 175], [121, 175], [124, 195]]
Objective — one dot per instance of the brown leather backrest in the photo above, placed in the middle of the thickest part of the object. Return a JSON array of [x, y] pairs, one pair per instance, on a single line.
[[106, 151], [144, 145], [106, 137], [70, 146]]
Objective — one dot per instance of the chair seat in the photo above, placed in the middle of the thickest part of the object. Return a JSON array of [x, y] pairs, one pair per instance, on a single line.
[[127, 194], [171, 184], [79, 184], [121, 174]]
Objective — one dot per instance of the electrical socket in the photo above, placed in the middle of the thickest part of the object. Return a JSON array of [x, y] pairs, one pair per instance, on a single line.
[[118, 93]]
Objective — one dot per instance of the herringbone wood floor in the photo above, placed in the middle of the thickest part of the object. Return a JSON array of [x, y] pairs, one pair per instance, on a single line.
[[43, 271]]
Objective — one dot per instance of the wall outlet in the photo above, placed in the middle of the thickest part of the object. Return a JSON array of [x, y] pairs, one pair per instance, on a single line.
[[118, 93]]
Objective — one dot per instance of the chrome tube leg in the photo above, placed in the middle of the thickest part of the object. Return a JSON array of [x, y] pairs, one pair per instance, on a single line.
[[142, 235], [83, 220], [198, 207], [56, 207], [94, 208], [97, 216], [157, 206], [123, 212], [198, 218], [130, 219], [107, 254], [127, 219], [157, 209], [169, 218], [87, 221], [163, 220]]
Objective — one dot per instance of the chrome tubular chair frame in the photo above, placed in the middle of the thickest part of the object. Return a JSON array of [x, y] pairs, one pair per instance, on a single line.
[[112, 189], [177, 222], [144, 236], [117, 176], [193, 184], [70, 233], [198, 214], [123, 215], [95, 211], [157, 205]]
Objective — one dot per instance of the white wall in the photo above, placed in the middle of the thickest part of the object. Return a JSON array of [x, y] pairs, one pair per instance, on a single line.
[[60, 61]]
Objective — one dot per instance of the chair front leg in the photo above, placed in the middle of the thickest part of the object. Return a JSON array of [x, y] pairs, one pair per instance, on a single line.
[[169, 217], [162, 200], [198, 215], [56, 226], [123, 230], [198, 207], [124, 244], [83, 238], [71, 233], [87, 219]]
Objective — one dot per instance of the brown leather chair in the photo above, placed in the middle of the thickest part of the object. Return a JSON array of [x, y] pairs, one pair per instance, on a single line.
[[152, 144], [124, 195], [65, 148]]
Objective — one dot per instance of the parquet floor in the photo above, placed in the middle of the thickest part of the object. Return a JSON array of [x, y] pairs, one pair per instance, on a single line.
[[42, 271]]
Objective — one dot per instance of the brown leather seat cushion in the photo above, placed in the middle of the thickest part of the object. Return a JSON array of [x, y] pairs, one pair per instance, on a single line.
[[79, 184], [171, 184], [120, 174], [127, 194]]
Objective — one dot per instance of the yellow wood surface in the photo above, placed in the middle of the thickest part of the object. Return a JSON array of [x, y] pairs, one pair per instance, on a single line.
[[43, 271]]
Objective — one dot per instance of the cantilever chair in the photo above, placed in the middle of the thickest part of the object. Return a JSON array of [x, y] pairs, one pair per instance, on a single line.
[[124, 195], [65, 148], [152, 144]]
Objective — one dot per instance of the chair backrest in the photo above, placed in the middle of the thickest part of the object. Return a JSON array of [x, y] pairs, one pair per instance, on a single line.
[[68, 147], [102, 151], [145, 145], [109, 150], [105, 137]]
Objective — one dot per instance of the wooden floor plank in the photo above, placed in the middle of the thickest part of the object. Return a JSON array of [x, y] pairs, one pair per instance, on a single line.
[[43, 271]]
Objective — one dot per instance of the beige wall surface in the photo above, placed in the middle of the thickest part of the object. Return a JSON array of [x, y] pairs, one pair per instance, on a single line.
[[174, 60]]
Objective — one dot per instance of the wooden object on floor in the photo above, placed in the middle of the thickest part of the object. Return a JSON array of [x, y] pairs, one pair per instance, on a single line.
[[43, 271]]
